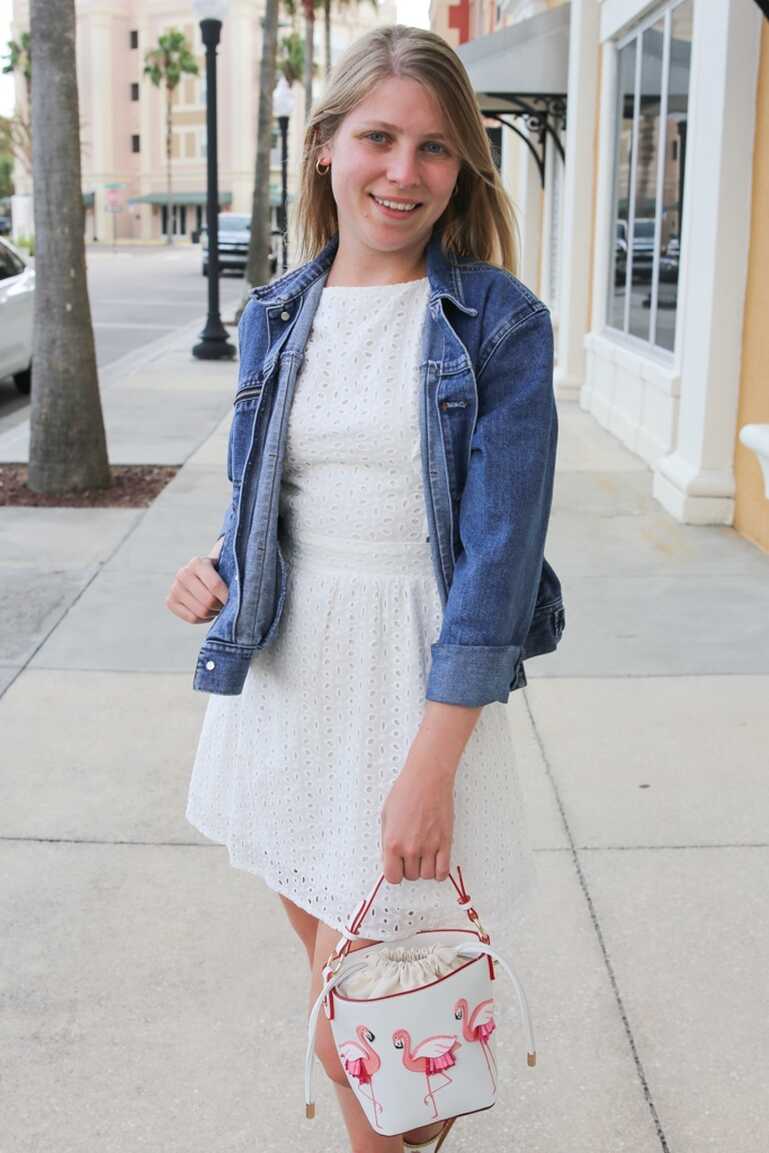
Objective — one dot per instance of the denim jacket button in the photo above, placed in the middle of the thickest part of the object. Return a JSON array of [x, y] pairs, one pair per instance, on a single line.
[[210, 665], [285, 315]]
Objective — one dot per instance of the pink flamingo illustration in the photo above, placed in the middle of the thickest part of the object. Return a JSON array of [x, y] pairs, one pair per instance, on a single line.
[[477, 1027], [432, 1057], [362, 1062]]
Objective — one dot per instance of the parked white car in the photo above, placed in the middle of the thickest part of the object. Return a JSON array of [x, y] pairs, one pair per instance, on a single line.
[[17, 295]]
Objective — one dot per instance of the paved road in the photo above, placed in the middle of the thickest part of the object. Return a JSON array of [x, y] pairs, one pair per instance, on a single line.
[[138, 295]]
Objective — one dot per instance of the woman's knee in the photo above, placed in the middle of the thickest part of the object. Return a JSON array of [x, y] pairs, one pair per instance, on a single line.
[[325, 1046], [326, 1052]]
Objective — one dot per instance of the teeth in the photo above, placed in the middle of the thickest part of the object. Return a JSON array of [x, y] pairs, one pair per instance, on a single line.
[[397, 207]]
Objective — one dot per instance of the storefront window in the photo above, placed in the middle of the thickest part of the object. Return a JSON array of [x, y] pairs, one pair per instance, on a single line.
[[650, 153], [622, 167]]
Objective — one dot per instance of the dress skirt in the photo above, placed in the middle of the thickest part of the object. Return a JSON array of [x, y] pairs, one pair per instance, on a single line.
[[291, 775]]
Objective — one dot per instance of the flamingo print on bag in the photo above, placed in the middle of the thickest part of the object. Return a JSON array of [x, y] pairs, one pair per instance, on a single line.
[[478, 1027], [359, 1060], [432, 1057]]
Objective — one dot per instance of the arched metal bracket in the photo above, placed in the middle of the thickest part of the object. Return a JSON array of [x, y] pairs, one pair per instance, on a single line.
[[545, 118]]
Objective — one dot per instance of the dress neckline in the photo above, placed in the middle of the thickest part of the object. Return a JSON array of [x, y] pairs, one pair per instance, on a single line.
[[371, 287]]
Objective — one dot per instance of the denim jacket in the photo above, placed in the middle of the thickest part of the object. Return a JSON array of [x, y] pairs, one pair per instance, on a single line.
[[488, 430]]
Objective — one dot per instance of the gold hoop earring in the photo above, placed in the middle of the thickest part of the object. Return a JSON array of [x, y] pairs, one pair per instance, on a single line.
[[321, 171]]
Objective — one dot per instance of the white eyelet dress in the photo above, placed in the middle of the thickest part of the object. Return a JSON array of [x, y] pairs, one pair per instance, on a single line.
[[291, 775]]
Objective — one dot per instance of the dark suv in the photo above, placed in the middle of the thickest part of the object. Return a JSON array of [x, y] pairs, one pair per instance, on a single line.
[[234, 236]]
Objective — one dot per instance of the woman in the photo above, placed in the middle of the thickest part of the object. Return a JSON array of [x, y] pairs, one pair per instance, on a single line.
[[380, 575]]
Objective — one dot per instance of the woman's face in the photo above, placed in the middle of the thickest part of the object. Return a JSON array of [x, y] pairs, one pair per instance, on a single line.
[[393, 145]]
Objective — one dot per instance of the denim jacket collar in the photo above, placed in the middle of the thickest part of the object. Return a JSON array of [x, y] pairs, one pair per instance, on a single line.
[[442, 273]]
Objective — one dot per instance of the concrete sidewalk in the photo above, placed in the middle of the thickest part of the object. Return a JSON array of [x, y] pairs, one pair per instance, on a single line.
[[142, 973]]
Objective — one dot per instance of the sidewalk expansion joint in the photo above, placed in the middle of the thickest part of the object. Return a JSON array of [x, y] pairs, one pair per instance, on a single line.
[[599, 935], [31, 840]]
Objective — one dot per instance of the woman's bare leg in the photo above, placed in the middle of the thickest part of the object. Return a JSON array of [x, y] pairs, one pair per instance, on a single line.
[[306, 928], [363, 1139], [304, 925]]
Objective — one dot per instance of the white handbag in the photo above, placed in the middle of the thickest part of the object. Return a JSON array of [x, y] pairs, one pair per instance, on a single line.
[[417, 1055]]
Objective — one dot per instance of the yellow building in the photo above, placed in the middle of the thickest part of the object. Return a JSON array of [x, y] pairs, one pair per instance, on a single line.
[[635, 145]]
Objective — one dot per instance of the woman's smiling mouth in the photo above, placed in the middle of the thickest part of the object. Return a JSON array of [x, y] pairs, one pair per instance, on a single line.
[[395, 208]]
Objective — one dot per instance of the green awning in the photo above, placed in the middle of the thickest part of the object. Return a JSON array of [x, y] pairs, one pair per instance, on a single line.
[[197, 198], [178, 198]]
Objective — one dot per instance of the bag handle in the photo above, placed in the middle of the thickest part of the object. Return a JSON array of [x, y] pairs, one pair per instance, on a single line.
[[352, 931]]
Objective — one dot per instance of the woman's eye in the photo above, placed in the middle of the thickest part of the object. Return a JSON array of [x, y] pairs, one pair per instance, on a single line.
[[369, 135]]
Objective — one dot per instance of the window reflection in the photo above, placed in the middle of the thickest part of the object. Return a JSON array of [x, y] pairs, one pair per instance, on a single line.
[[673, 176], [623, 152], [644, 208], [647, 202]]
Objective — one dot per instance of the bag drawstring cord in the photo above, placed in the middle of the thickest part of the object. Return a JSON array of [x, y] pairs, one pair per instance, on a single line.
[[309, 1105], [477, 950]]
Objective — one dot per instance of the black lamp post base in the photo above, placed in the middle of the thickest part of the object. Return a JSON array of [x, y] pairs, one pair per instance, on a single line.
[[214, 343]]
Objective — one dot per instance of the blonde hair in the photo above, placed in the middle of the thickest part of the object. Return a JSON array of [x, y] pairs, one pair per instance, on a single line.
[[479, 221]]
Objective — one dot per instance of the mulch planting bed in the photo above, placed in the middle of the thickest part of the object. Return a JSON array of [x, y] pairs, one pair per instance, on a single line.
[[133, 486]]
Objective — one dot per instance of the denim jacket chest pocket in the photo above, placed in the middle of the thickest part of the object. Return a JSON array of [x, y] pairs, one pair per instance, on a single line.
[[457, 402]]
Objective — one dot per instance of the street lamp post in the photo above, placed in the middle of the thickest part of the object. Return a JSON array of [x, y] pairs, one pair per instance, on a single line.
[[214, 339], [283, 106]]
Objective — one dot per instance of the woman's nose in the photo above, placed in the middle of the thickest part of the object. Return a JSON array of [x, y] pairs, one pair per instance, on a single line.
[[403, 169]]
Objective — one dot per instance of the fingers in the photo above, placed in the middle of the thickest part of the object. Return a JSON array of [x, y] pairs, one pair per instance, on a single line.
[[431, 867], [442, 863], [392, 867], [207, 574], [198, 592]]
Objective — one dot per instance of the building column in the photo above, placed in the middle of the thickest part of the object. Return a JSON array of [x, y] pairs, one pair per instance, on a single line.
[[529, 199], [239, 57], [147, 128], [549, 226], [696, 482], [578, 196], [100, 156]]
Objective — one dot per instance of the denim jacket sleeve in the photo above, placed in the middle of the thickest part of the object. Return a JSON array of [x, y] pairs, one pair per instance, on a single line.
[[503, 517], [251, 348]]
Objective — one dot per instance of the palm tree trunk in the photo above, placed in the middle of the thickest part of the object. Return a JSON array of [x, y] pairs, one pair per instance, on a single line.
[[68, 449], [169, 139], [258, 266], [327, 30], [309, 53]]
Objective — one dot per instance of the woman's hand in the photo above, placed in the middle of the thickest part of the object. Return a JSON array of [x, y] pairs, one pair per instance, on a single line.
[[198, 592], [418, 824], [418, 814]]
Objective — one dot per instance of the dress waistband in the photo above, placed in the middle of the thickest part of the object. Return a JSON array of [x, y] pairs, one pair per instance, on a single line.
[[321, 552]]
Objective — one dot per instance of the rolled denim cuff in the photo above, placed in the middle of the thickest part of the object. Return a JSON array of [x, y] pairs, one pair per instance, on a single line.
[[221, 668], [474, 675]]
